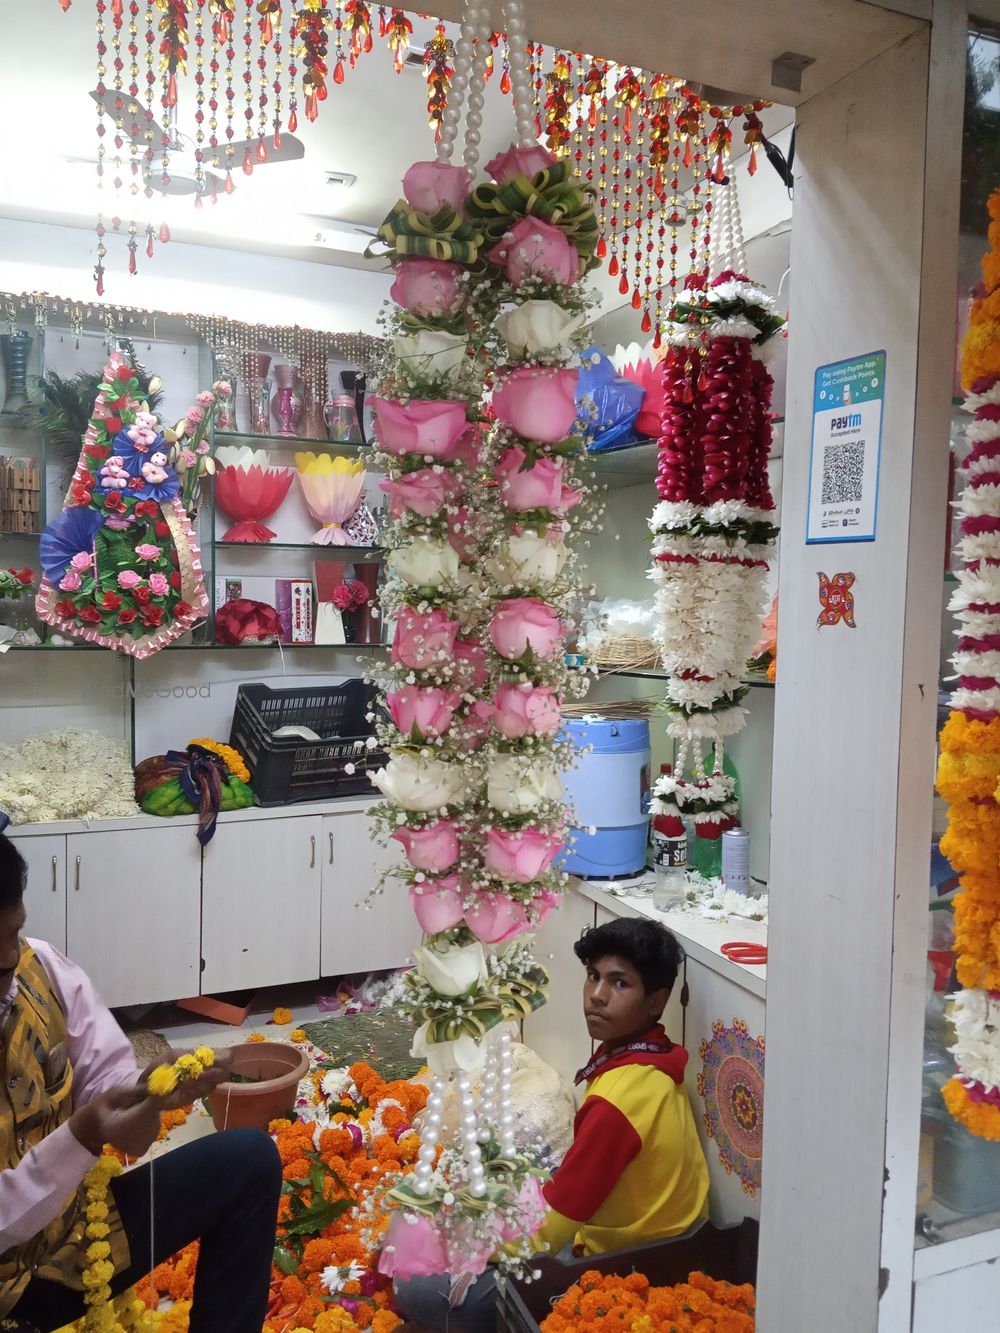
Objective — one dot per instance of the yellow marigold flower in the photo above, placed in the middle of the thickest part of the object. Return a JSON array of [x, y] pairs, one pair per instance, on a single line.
[[298, 1034], [281, 1016], [98, 1230], [256, 1036], [231, 757], [162, 1081], [206, 1055], [188, 1066], [99, 1250]]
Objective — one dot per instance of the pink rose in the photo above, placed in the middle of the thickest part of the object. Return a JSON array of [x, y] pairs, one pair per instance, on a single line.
[[428, 287], [429, 185], [423, 492], [438, 903], [433, 848], [70, 581], [128, 578], [423, 426], [421, 713], [195, 417], [147, 551], [520, 710], [462, 534], [522, 856], [569, 498], [497, 918], [470, 658], [538, 404], [525, 624], [82, 561], [534, 249], [423, 641], [206, 398], [223, 388], [520, 162], [188, 457], [537, 487], [159, 585], [531, 1210], [412, 1248]]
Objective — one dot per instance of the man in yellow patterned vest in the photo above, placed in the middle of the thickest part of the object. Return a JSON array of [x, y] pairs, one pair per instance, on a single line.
[[68, 1085]]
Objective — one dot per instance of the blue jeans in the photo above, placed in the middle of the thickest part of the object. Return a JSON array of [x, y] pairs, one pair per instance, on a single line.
[[222, 1190]]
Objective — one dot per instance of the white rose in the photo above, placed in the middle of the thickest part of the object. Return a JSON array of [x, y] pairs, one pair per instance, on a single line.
[[241, 455], [430, 355], [516, 784], [537, 326], [462, 1056], [425, 564], [416, 783], [451, 971], [527, 560]]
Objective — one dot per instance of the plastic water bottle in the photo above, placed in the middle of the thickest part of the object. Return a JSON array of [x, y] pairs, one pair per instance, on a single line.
[[669, 865]]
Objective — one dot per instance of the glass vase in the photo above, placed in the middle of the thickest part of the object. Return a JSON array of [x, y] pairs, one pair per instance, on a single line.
[[15, 348]]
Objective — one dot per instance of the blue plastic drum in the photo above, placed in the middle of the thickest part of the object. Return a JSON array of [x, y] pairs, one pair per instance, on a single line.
[[607, 791]]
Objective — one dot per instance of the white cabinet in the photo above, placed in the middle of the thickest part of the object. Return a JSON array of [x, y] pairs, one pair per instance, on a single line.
[[260, 906], [558, 1031], [356, 936], [45, 896], [132, 911]]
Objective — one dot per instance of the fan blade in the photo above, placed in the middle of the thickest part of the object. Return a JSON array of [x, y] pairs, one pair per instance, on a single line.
[[124, 107], [290, 150]]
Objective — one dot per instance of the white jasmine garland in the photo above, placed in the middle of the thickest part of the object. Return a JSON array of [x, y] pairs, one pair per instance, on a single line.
[[978, 432], [975, 1016], [974, 401], [721, 722], [987, 701], [980, 501], [67, 774]]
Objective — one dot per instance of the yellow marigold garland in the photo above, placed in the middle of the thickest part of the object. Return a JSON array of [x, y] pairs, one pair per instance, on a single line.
[[100, 1316], [231, 757]]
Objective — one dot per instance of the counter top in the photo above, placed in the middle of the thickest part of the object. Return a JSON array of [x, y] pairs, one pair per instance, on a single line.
[[335, 805], [702, 938]]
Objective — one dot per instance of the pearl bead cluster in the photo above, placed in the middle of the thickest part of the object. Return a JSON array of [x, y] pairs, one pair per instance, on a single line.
[[520, 75], [467, 87], [430, 1135]]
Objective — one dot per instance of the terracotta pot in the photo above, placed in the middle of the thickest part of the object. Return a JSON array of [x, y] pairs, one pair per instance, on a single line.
[[254, 1105]]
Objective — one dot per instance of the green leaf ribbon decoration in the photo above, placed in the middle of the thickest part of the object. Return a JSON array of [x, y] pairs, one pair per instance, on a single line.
[[551, 196], [444, 235]]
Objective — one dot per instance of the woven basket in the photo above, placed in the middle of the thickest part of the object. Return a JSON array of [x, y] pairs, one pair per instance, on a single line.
[[626, 651]]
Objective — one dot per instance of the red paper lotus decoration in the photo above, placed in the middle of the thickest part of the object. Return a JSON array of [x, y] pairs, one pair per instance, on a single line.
[[249, 495]]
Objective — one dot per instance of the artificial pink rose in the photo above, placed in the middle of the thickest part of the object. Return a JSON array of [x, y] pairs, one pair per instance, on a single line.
[[128, 578], [520, 710], [195, 417], [523, 624], [425, 426], [569, 498], [206, 398], [539, 404], [147, 551], [188, 457], [535, 249], [429, 185], [412, 1248], [520, 162], [423, 640], [462, 535], [537, 487], [496, 918], [428, 287], [423, 492], [470, 657], [521, 856], [70, 581], [438, 903], [223, 388], [422, 713], [531, 1211], [82, 561], [468, 447], [433, 848], [159, 585]]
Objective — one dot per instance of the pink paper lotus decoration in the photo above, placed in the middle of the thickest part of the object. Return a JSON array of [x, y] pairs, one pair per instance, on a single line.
[[650, 377], [249, 491]]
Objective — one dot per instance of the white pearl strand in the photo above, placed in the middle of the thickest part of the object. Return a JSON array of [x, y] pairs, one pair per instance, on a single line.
[[476, 97], [488, 1093], [469, 1131], [506, 1118], [430, 1134], [520, 75], [475, 21]]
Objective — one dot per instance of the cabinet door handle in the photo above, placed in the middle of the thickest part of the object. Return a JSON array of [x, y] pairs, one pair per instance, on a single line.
[[76, 885], [312, 844], [55, 862], [331, 848]]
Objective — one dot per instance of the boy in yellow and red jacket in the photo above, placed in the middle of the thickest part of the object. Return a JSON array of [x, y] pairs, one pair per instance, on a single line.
[[635, 1171]]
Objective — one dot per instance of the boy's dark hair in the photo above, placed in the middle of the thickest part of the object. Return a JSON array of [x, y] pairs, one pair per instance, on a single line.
[[647, 945], [13, 874]]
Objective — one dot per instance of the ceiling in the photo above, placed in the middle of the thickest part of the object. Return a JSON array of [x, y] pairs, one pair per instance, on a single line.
[[373, 126]]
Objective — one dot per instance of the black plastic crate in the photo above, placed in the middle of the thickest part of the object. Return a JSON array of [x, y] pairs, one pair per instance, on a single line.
[[728, 1254], [286, 769]]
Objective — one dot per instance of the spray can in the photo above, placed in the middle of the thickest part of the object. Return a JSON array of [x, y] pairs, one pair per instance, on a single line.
[[736, 860]]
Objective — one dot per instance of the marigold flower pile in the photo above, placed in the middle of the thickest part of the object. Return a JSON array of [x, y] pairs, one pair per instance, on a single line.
[[600, 1304]]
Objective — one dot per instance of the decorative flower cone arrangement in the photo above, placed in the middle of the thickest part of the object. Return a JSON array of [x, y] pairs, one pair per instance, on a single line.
[[249, 490], [713, 535], [969, 766], [333, 488], [121, 566], [482, 590]]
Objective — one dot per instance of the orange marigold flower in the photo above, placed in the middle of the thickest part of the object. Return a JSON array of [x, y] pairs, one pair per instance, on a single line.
[[384, 1321], [256, 1036], [293, 1290], [318, 1254]]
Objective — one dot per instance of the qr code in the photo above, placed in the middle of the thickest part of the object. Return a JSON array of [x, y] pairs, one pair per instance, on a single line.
[[843, 473]]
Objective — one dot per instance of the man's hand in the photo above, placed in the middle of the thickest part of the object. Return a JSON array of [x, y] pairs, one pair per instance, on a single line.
[[189, 1090], [124, 1117]]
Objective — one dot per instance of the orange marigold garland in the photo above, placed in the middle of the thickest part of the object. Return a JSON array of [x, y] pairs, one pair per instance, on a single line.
[[610, 1304], [969, 764]]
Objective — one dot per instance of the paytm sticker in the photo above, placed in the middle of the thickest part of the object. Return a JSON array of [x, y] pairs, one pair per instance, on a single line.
[[846, 450]]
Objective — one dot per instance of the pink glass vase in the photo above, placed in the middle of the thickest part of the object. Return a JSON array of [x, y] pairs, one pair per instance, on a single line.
[[369, 626], [288, 399]]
